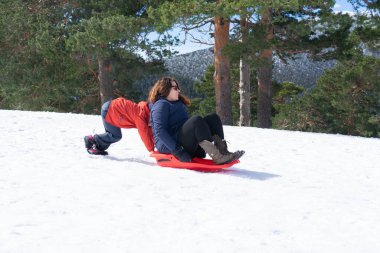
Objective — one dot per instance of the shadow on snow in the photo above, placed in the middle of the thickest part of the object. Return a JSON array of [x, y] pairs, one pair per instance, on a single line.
[[241, 173]]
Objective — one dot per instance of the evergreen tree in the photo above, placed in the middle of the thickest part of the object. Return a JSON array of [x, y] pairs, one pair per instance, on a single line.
[[37, 73], [367, 19], [204, 103], [205, 88], [104, 30], [51, 52], [195, 14], [284, 28], [222, 73], [345, 100]]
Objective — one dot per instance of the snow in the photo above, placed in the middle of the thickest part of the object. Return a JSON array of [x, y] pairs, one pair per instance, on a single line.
[[291, 192]]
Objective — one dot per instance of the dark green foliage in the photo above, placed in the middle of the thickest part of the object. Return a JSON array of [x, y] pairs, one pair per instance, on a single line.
[[105, 28], [49, 52], [37, 73], [346, 100], [204, 102], [127, 71], [284, 93], [299, 26]]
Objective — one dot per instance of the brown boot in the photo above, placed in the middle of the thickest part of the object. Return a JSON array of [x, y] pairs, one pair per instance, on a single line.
[[238, 154], [215, 153], [221, 145]]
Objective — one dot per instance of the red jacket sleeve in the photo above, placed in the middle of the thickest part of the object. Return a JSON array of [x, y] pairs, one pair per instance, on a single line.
[[142, 125]]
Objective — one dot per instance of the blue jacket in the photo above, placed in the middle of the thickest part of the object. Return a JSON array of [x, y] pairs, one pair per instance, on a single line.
[[166, 119]]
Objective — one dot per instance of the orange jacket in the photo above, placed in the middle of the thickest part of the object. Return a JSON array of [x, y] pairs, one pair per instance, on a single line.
[[124, 113]]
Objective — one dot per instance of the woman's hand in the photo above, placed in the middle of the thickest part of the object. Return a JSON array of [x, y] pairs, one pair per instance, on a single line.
[[182, 155]]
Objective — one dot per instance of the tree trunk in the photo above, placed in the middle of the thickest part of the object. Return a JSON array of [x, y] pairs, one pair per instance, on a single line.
[[105, 80], [244, 84], [264, 76], [222, 79]]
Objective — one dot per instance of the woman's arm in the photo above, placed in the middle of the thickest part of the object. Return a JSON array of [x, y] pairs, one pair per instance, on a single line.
[[160, 123]]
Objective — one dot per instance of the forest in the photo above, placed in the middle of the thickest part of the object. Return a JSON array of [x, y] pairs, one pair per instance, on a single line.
[[73, 55]]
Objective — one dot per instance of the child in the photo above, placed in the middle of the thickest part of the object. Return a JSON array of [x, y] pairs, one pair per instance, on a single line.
[[116, 114]]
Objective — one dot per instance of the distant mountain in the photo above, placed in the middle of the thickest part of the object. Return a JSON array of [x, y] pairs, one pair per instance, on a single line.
[[300, 69], [189, 68], [191, 65], [186, 68]]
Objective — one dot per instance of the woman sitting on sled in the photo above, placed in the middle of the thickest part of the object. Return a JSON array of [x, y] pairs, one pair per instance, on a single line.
[[174, 132]]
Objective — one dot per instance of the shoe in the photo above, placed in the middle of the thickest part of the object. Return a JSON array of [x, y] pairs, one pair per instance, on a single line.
[[215, 153], [221, 145], [89, 141], [238, 154], [95, 151]]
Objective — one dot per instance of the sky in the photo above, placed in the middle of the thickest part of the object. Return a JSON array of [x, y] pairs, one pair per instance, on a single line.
[[190, 45], [291, 192]]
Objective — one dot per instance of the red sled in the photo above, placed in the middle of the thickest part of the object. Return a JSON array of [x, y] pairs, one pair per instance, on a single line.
[[198, 164]]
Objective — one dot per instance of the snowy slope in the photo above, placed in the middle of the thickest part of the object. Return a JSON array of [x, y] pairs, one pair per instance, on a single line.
[[292, 192]]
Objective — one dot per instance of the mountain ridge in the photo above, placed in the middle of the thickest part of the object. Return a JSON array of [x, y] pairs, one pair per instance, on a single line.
[[189, 68], [300, 69]]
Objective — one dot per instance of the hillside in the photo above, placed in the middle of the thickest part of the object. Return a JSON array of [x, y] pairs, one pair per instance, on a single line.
[[189, 68], [301, 70], [291, 192]]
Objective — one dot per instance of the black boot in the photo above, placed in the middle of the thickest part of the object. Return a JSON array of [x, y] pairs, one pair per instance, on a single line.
[[90, 144], [89, 141]]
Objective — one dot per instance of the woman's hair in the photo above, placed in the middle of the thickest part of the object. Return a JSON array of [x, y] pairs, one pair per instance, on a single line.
[[162, 89]]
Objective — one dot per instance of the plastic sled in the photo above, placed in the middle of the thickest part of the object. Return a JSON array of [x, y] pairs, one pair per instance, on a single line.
[[198, 164]]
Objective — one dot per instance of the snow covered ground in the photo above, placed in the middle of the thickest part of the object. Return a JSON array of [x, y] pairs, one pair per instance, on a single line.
[[292, 192]]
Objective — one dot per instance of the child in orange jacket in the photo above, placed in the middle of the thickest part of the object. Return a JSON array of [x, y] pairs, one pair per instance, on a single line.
[[116, 114]]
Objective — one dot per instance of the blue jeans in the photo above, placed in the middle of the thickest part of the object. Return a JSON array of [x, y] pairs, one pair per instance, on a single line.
[[112, 134]]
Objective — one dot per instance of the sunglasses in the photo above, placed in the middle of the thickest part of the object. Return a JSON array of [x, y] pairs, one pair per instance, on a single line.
[[176, 88]]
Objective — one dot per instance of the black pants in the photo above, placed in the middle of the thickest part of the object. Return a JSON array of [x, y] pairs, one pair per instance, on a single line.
[[197, 129]]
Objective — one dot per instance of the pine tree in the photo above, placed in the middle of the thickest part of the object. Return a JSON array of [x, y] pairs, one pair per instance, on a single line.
[[222, 79], [284, 28], [193, 15], [105, 29], [345, 100], [37, 73]]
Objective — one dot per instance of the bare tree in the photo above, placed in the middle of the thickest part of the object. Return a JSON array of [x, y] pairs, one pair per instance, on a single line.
[[244, 84]]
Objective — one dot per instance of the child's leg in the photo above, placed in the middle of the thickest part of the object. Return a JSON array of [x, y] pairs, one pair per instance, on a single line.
[[112, 134]]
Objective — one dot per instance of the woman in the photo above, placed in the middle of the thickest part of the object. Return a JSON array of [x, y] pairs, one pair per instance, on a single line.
[[116, 114], [185, 138]]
